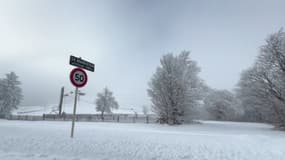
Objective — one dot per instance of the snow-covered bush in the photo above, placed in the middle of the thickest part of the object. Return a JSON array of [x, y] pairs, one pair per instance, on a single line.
[[222, 105]]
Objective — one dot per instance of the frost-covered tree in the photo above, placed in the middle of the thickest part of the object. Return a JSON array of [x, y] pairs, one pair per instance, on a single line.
[[105, 102], [262, 87], [10, 93], [222, 105], [2, 91], [175, 88], [253, 96]]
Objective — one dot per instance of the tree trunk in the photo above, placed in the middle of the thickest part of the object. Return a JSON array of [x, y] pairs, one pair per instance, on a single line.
[[102, 115]]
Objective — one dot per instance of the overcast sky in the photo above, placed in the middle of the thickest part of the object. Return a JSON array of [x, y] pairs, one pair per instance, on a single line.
[[125, 39]]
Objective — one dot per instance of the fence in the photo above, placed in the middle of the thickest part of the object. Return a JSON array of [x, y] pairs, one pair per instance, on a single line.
[[25, 117], [119, 118]]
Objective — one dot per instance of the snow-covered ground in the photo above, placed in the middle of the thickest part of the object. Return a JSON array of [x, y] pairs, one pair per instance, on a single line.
[[23, 140]]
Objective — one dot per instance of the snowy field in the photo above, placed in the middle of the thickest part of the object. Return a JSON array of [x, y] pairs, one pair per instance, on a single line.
[[82, 108], [23, 140]]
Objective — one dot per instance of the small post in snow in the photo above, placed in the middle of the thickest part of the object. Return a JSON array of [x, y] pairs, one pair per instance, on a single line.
[[61, 101], [74, 113]]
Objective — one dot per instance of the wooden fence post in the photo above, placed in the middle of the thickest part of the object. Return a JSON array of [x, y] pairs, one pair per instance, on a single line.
[[61, 101]]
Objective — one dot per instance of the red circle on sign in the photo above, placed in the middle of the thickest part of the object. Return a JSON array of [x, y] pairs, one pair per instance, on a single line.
[[78, 77]]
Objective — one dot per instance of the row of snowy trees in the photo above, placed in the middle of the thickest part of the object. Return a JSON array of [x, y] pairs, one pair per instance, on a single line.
[[262, 86], [178, 94], [10, 94]]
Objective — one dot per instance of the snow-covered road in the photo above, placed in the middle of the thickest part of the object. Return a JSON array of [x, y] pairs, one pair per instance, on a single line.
[[23, 140]]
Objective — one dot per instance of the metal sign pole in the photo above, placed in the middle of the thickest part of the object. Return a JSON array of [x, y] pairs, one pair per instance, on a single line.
[[74, 112]]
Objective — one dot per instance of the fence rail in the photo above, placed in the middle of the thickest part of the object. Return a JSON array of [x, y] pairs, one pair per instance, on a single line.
[[119, 118]]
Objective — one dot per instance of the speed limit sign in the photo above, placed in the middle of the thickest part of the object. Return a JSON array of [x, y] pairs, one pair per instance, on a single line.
[[78, 77]]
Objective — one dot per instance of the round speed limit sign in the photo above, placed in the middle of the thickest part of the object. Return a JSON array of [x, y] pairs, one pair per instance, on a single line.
[[78, 77]]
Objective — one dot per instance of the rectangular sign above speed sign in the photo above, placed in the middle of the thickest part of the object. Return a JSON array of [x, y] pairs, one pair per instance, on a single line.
[[78, 62]]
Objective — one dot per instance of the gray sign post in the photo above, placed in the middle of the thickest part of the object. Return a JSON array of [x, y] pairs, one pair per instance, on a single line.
[[78, 78]]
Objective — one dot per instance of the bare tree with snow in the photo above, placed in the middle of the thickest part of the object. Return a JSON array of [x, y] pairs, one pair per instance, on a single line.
[[10, 93], [262, 87], [105, 102], [175, 88]]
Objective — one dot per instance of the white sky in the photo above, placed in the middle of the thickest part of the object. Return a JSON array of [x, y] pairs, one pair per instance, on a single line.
[[125, 39]]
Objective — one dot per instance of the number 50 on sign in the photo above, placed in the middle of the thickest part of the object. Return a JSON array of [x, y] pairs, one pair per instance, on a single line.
[[78, 77]]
